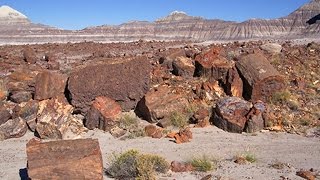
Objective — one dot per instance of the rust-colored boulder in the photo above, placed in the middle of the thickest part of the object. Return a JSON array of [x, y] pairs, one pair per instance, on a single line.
[[212, 65], [64, 159], [183, 66], [49, 85], [21, 96], [3, 90], [55, 120], [233, 84], [103, 114], [29, 55], [153, 131], [260, 78], [160, 103], [13, 128], [21, 80], [124, 80], [177, 166], [255, 117], [306, 174], [230, 114], [183, 136], [201, 117], [28, 112]]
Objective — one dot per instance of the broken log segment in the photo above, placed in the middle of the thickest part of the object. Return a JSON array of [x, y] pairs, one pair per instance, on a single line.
[[64, 159], [260, 78]]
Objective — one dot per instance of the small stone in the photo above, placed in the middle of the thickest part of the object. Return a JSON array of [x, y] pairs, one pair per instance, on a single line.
[[181, 166], [306, 175]]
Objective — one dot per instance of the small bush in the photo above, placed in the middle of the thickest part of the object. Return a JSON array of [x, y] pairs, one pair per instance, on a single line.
[[203, 164], [178, 120], [280, 97], [250, 157], [304, 122], [128, 121], [132, 164]]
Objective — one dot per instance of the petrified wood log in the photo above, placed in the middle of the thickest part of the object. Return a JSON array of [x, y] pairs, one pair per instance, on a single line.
[[260, 78], [66, 159]]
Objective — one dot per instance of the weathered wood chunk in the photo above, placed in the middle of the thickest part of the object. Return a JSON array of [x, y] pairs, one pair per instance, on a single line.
[[65, 159], [260, 78]]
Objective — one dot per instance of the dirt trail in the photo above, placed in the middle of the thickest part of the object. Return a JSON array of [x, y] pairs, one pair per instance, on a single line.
[[296, 151]]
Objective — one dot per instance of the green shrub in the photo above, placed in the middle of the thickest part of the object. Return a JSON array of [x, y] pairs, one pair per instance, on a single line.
[[203, 164], [280, 97], [250, 157], [132, 164], [178, 119], [128, 121]]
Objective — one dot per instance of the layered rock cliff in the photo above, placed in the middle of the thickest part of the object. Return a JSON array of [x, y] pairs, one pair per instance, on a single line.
[[304, 22]]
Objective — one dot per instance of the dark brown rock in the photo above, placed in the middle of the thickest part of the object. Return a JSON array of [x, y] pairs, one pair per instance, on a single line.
[[126, 81], [55, 120], [230, 114], [66, 159], [177, 166], [103, 114], [183, 66], [255, 118], [49, 85], [212, 65], [160, 103], [29, 55], [260, 78], [21, 96], [21, 80], [4, 115], [13, 128], [28, 111], [201, 117]]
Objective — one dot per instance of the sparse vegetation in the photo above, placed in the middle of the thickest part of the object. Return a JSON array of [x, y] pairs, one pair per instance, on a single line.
[[129, 121], [245, 158], [203, 163], [280, 97], [178, 119], [132, 164], [304, 122]]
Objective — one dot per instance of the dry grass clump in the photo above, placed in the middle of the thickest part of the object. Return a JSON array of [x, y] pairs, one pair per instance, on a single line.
[[178, 119], [132, 164], [203, 163]]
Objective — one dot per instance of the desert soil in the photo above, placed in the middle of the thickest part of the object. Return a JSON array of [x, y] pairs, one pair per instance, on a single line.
[[295, 151]]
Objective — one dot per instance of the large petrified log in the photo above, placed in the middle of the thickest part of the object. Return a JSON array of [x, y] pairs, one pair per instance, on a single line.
[[260, 78], [124, 80], [66, 159]]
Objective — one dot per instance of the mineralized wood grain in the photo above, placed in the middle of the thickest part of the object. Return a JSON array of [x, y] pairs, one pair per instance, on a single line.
[[65, 159], [260, 78]]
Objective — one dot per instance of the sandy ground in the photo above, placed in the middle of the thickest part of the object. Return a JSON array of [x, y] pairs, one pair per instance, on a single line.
[[296, 151]]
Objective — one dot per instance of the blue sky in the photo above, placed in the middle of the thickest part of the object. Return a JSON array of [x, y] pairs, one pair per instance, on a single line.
[[78, 14]]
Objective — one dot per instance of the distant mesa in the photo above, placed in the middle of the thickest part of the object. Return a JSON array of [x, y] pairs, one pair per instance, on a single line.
[[9, 15], [177, 16]]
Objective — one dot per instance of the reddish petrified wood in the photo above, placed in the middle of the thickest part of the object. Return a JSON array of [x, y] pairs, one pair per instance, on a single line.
[[260, 78], [67, 159]]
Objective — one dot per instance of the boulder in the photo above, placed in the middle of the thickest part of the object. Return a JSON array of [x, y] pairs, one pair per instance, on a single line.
[[201, 117], [255, 117], [230, 114], [3, 90], [212, 65], [103, 114], [64, 159], [13, 128], [233, 85], [183, 136], [160, 103], [4, 115], [260, 78], [153, 131], [21, 80], [272, 48], [183, 66], [55, 120], [49, 85], [125, 80], [20, 96], [29, 55], [28, 111]]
